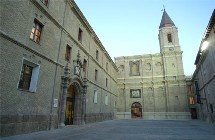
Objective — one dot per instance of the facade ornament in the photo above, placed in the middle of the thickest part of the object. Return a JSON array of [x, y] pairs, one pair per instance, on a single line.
[[77, 65], [66, 79], [65, 83]]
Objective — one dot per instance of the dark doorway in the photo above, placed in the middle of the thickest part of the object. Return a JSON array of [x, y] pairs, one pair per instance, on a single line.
[[136, 110], [70, 105], [193, 113]]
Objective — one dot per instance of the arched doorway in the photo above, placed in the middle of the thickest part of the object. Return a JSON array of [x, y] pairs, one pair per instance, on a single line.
[[136, 110], [73, 99], [70, 105]]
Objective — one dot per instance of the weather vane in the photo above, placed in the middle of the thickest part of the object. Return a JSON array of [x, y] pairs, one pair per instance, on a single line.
[[163, 8]]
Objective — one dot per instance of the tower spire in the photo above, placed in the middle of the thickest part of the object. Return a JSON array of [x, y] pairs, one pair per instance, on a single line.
[[166, 20]]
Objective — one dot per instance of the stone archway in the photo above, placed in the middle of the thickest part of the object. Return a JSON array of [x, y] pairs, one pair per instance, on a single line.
[[136, 110], [73, 102]]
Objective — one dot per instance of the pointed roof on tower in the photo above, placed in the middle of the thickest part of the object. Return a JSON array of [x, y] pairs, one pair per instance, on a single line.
[[166, 20]]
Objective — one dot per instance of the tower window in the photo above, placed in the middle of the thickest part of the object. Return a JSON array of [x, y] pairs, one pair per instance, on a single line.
[[169, 37]]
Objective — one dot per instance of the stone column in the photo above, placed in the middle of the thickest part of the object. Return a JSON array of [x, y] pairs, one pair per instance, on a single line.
[[65, 83]]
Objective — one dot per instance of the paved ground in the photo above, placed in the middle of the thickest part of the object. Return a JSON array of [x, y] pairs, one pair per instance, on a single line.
[[134, 129]]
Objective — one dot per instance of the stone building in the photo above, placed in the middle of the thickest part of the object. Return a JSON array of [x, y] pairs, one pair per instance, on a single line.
[[54, 70], [204, 75], [153, 86]]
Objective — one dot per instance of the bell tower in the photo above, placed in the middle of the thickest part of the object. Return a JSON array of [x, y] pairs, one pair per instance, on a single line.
[[170, 48], [168, 34]]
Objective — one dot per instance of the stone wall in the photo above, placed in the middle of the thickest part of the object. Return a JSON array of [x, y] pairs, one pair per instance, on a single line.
[[204, 78], [19, 124], [23, 111]]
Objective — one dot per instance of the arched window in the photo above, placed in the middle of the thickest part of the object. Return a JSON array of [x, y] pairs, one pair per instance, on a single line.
[[134, 68], [148, 66], [169, 37]]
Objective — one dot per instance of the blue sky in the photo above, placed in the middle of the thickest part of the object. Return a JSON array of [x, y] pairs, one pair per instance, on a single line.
[[130, 27]]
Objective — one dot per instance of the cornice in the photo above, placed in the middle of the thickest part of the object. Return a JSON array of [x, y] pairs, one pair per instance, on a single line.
[[95, 37]]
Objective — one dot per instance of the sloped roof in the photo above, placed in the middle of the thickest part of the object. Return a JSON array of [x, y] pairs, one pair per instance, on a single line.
[[205, 36], [166, 20]]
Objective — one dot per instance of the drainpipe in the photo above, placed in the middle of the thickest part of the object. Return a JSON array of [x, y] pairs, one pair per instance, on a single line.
[[124, 88], [55, 75]]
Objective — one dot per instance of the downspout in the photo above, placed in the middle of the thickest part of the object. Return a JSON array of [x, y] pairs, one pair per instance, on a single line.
[[124, 88], [55, 76]]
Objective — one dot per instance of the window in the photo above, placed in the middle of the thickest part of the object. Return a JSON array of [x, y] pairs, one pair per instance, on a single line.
[[36, 31], [197, 87], [134, 68], [198, 99], [106, 100], [211, 107], [191, 100], [106, 82], [169, 37], [95, 99], [96, 74], [189, 89], [84, 65], [148, 66], [106, 66], [29, 76], [25, 78], [80, 32], [68, 53], [45, 2], [97, 55]]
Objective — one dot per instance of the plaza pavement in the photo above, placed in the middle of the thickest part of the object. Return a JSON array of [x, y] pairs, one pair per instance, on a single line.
[[133, 129]]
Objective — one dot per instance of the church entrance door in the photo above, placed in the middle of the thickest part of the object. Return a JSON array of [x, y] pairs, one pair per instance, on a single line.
[[70, 105], [136, 110]]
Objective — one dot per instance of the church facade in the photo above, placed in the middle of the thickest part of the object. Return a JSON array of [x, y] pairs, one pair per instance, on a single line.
[[153, 86]]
